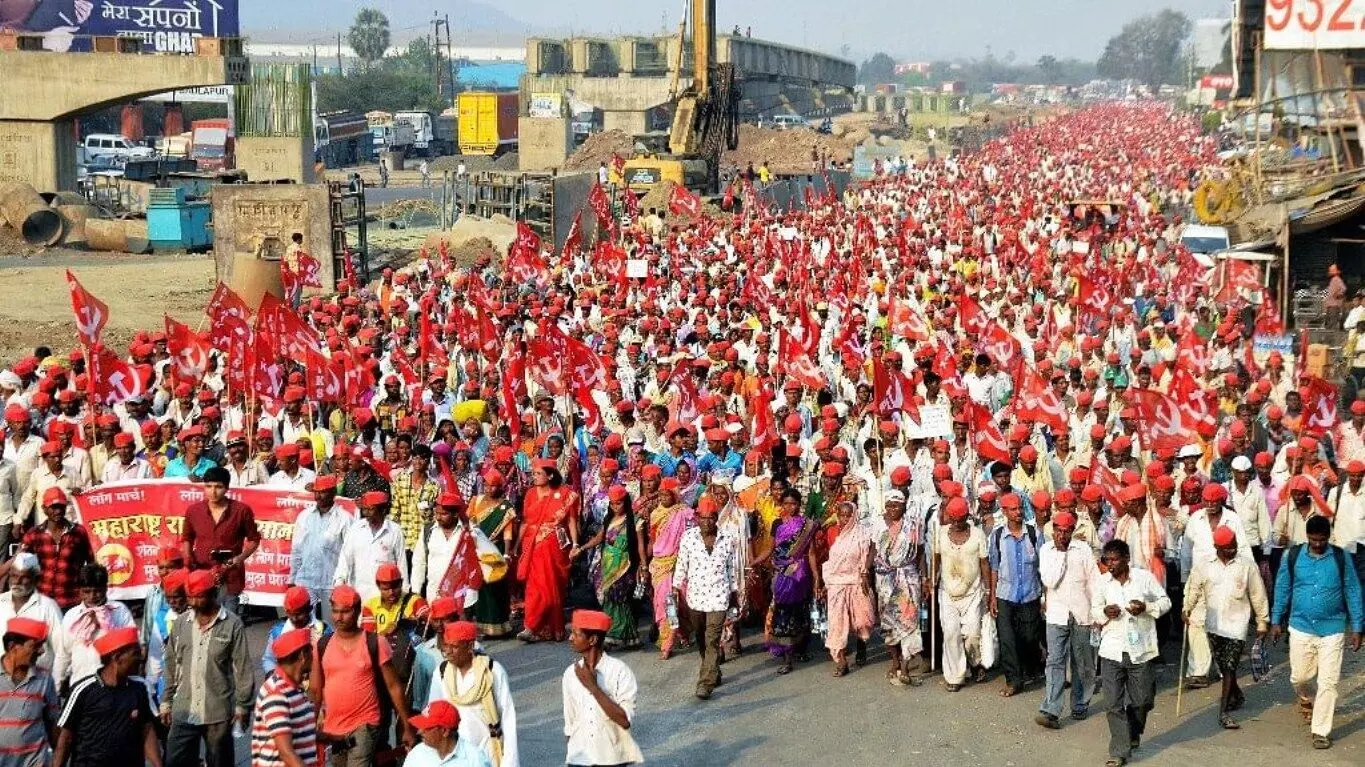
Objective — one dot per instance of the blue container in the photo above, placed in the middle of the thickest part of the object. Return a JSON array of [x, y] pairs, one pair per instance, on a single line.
[[173, 223]]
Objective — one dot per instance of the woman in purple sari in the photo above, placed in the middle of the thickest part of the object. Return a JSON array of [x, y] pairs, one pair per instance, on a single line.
[[796, 578]]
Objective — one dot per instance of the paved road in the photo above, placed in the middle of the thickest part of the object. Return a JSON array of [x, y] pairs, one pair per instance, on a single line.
[[807, 717]]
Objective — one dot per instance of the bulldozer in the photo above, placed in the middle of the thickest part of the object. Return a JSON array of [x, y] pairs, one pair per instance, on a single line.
[[705, 120]]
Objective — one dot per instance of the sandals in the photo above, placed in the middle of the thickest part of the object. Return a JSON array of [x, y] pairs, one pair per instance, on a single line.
[[1228, 723], [910, 680], [1008, 691], [980, 674], [1115, 761], [1321, 742], [953, 687], [840, 670], [528, 637], [893, 677], [785, 668]]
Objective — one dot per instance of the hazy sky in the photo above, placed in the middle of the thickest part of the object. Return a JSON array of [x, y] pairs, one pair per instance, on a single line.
[[907, 29]]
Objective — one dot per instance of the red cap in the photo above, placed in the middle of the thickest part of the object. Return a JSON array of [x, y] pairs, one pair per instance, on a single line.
[[54, 496], [443, 608], [1041, 499], [290, 642], [1223, 536], [50, 447], [296, 598], [460, 631], [591, 620], [374, 498], [439, 713], [116, 640], [388, 572], [1215, 493], [170, 555], [200, 583], [900, 475], [1009, 501], [1092, 493], [956, 510], [1064, 519], [1264, 460], [325, 482], [27, 627], [345, 595], [1028, 453]]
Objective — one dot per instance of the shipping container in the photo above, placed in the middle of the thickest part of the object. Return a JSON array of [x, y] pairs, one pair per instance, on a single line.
[[487, 123]]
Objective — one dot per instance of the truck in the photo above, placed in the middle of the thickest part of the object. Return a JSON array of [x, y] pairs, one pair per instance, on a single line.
[[212, 145], [394, 137], [433, 134], [487, 122], [342, 138]]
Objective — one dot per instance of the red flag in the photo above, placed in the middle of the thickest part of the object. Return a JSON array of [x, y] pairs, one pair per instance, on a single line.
[[1161, 421], [686, 406], [987, 439], [573, 242], [513, 382], [266, 378], [115, 379], [1319, 405], [190, 352], [1040, 402], [601, 206], [729, 200], [681, 202], [1238, 276], [310, 271], [1003, 348], [631, 202], [973, 317], [1268, 320], [464, 573], [762, 428], [91, 313], [284, 330], [800, 366], [527, 239], [323, 381], [549, 361], [618, 165], [1094, 299], [906, 321], [229, 322]]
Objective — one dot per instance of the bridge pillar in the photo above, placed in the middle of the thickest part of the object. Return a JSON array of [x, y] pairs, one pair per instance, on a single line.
[[40, 153]]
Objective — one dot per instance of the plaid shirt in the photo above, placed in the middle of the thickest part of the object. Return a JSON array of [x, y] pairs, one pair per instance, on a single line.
[[61, 560], [408, 509]]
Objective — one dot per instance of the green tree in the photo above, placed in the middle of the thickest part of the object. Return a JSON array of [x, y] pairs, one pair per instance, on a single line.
[[369, 35], [1049, 69], [879, 69], [1148, 49]]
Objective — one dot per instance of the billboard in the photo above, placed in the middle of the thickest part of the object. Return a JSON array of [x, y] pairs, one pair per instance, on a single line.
[[1306, 25], [164, 26]]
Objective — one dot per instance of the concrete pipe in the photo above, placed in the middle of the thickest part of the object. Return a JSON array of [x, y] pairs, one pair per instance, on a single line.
[[24, 209], [118, 236], [75, 215]]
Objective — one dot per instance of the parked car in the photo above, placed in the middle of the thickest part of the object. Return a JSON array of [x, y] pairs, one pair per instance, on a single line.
[[105, 144], [788, 122]]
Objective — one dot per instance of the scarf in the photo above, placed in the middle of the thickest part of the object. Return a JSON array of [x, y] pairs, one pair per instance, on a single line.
[[94, 623], [481, 694]]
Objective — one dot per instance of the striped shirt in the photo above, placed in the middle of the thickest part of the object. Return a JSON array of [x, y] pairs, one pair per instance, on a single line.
[[23, 707], [281, 707]]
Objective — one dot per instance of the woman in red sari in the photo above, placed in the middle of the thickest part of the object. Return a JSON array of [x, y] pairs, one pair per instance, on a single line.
[[549, 529]]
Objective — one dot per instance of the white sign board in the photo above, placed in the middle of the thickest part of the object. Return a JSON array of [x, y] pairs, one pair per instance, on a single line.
[[934, 421], [209, 94], [1305, 25], [1263, 344], [637, 268]]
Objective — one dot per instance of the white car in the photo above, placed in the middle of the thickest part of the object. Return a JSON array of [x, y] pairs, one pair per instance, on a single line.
[[102, 144]]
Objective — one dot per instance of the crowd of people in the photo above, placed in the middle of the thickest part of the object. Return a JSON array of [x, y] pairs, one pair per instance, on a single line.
[[987, 408]]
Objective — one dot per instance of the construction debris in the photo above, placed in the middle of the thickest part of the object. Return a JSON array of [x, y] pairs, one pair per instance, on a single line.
[[789, 151], [599, 148]]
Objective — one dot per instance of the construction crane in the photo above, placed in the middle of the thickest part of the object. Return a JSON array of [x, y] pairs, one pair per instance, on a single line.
[[705, 120]]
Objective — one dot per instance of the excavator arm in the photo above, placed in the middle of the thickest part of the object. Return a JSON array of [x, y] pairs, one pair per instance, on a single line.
[[706, 119]]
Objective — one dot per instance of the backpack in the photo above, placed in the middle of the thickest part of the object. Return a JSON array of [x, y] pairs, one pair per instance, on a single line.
[[1337, 554]]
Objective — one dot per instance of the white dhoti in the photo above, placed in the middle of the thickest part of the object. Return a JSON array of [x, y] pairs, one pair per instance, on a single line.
[[960, 619], [1200, 661]]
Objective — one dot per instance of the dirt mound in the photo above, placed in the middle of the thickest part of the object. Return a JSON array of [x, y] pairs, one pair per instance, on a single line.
[[471, 250], [789, 151], [598, 148], [657, 198]]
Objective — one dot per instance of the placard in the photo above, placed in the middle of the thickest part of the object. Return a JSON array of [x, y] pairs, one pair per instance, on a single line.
[[934, 421], [1306, 25], [637, 268]]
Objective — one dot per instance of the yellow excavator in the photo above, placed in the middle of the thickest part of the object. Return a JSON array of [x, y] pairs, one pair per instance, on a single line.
[[706, 120]]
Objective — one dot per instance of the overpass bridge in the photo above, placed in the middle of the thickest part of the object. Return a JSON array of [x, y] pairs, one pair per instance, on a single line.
[[43, 92], [631, 79]]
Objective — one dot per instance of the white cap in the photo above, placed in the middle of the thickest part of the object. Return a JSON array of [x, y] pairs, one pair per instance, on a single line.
[[1189, 451], [894, 496], [1241, 463], [10, 380], [25, 562]]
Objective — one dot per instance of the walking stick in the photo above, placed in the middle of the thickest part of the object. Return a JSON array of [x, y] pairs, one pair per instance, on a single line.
[[1180, 686]]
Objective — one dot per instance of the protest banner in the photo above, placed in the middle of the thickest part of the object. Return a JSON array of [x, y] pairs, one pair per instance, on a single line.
[[129, 521]]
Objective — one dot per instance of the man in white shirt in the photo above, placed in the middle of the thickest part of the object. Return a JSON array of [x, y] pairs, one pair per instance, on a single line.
[[124, 465], [21, 445], [1223, 592], [962, 572], [599, 698], [1067, 570], [705, 572], [48, 475], [370, 541], [23, 601], [290, 474], [319, 532], [1125, 605], [477, 686], [92, 618], [10, 494], [436, 546]]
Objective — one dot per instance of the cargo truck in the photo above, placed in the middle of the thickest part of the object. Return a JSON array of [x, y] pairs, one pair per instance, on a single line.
[[433, 134], [342, 138], [211, 146], [487, 123]]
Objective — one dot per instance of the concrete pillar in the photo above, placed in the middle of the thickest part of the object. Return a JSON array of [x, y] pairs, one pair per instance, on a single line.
[[42, 154], [544, 142], [631, 123], [276, 158]]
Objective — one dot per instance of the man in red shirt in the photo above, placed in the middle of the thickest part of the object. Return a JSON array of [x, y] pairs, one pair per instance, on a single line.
[[62, 547], [356, 700], [220, 534]]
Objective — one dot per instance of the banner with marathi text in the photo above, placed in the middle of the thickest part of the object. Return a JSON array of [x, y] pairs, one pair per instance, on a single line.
[[129, 522]]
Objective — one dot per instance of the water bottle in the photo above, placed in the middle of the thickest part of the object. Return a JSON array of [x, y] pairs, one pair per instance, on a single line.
[[923, 621], [671, 609]]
